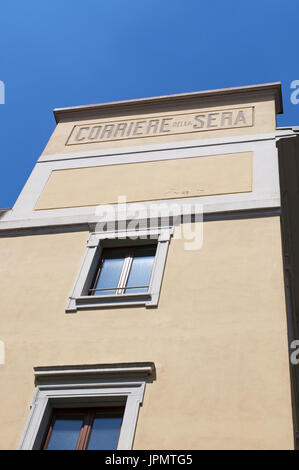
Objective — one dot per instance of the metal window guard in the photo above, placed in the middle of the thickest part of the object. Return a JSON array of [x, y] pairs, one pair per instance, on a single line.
[[118, 288]]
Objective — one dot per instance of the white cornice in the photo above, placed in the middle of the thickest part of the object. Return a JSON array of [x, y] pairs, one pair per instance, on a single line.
[[77, 112], [144, 370]]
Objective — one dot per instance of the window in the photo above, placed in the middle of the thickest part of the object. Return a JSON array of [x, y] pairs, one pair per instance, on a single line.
[[86, 407], [121, 269], [84, 429]]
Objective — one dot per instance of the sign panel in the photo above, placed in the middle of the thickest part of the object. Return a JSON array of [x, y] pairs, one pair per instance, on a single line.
[[162, 125]]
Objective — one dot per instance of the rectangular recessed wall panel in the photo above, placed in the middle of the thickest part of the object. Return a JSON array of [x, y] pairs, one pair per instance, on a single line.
[[146, 181]]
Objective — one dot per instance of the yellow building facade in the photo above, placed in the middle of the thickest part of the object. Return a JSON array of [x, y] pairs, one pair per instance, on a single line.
[[198, 358]]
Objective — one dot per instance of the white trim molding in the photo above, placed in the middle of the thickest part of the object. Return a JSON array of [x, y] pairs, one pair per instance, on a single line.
[[265, 192], [79, 298], [87, 386]]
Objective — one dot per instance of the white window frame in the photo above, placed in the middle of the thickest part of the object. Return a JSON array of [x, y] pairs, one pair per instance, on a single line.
[[79, 298], [87, 386]]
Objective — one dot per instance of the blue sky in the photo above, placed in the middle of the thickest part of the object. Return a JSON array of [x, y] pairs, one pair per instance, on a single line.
[[56, 53]]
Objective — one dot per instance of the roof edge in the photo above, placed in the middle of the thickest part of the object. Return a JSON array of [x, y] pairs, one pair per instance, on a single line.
[[274, 87]]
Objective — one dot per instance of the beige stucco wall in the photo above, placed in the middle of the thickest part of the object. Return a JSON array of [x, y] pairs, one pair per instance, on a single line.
[[218, 337], [199, 176], [264, 121]]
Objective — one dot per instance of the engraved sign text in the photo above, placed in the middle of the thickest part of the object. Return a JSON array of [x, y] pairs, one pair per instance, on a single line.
[[162, 125]]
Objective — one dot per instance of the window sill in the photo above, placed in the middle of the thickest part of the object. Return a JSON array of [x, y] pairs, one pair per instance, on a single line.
[[115, 300]]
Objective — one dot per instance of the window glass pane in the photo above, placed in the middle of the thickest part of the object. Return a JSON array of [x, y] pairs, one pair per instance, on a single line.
[[110, 271], [141, 269], [65, 433], [105, 432]]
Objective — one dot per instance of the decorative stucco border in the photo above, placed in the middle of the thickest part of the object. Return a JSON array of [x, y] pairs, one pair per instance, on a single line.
[[87, 385], [79, 300], [265, 192]]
